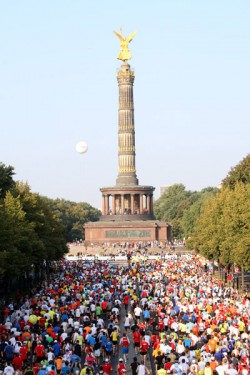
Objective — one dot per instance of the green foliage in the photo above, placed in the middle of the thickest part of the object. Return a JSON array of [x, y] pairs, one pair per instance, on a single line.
[[6, 179], [222, 230], [16, 237], [47, 225], [223, 227], [29, 230], [239, 173], [73, 216], [181, 208], [236, 222], [35, 228], [191, 215], [171, 206], [208, 229]]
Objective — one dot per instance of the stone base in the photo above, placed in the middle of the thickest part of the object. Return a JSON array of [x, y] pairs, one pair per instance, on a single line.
[[100, 232]]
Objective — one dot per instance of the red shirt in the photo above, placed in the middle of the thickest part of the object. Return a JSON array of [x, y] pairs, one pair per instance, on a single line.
[[137, 336], [142, 326], [161, 324], [22, 324], [23, 352], [121, 366], [126, 300], [168, 365], [144, 346], [36, 368], [107, 368], [39, 351], [18, 363], [104, 305], [42, 321], [125, 342]]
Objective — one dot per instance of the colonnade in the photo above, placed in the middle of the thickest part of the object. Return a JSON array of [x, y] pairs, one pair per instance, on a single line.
[[127, 204]]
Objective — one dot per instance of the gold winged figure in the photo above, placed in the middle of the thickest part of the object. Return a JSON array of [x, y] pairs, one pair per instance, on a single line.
[[124, 54]]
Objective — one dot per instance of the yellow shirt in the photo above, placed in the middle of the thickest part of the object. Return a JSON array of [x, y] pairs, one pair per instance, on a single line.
[[161, 371], [51, 313], [114, 336]]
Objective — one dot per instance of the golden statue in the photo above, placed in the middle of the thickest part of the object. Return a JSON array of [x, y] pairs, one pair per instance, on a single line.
[[124, 54]]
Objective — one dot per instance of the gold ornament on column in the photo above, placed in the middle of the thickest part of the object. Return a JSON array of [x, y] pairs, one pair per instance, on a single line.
[[124, 54]]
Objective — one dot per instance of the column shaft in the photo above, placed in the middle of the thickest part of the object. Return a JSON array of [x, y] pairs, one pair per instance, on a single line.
[[122, 203], [141, 203], [148, 203], [113, 204], [106, 204], [132, 204], [103, 204]]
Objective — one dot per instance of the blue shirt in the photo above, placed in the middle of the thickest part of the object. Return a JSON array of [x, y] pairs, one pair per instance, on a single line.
[[42, 372], [91, 340], [103, 340], [9, 352], [109, 346], [75, 358], [64, 369], [56, 347]]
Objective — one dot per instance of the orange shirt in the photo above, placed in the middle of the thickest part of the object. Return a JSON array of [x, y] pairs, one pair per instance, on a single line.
[[209, 309], [49, 330], [212, 344], [26, 336], [213, 365], [87, 329], [58, 363]]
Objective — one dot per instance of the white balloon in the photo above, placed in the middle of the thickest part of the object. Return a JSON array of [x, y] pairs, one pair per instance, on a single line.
[[81, 147]]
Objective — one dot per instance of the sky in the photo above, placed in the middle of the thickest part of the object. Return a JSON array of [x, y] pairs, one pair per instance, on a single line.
[[58, 65]]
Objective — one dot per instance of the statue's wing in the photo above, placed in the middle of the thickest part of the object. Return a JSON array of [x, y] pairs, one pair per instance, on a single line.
[[119, 35], [131, 36]]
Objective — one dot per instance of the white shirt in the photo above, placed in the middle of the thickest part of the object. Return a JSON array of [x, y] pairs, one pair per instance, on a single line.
[[147, 338], [232, 371], [64, 335], [127, 321], [8, 370], [220, 369], [141, 370], [137, 311]]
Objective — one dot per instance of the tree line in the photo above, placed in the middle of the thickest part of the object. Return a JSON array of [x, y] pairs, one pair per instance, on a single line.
[[215, 222], [34, 228]]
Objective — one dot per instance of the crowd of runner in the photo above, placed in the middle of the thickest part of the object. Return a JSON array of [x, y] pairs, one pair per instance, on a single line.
[[172, 315]]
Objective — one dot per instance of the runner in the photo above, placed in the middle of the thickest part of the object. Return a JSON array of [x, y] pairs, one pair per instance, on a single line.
[[124, 343]]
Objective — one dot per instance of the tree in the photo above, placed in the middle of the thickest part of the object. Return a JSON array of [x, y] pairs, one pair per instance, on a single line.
[[223, 227], [29, 232], [73, 216], [34, 228], [192, 214], [171, 206], [17, 238], [239, 173], [6, 179], [236, 221], [47, 226], [208, 232]]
